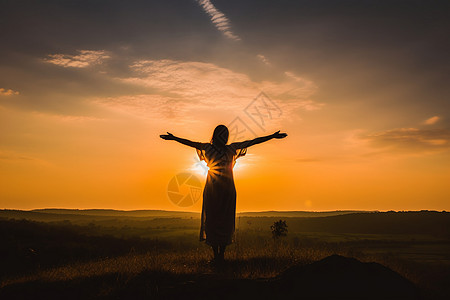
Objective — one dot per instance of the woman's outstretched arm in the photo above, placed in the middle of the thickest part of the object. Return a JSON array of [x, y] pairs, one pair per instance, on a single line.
[[259, 140], [171, 137]]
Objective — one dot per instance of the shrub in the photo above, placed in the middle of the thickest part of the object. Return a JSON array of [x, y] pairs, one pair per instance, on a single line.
[[279, 229]]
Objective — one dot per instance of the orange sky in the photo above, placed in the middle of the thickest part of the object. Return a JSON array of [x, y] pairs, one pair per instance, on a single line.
[[117, 160], [80, 123]]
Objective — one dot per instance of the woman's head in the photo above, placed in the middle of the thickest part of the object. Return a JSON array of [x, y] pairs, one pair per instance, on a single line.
[[220, 135]]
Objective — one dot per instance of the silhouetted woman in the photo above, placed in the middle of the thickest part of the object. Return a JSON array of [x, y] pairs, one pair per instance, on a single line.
[[219, 195]]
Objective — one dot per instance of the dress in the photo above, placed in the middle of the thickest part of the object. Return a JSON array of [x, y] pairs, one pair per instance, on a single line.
[[219, 195]]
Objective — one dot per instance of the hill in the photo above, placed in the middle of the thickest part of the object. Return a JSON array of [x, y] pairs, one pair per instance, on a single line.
[[334, 277]]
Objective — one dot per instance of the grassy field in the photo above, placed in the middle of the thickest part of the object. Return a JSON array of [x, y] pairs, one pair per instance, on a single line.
[[63, 247]]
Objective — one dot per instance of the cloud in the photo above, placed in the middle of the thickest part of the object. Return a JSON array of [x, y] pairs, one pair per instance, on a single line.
[[8, 92], [218, 19], [432, 120], [84, 59], [66, 118], [209, 82], [263, 59], [144, 105], [293, 76], [16, 157], [411, 139], [177, 87], [196, 81]]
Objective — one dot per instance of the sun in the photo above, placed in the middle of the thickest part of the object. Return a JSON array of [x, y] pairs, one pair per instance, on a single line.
[[199, 167]]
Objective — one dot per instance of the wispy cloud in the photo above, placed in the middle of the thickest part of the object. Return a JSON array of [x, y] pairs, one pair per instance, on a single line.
[[218, 19], [309, 160], [432, 120], [16, 157], [176, 87], [8, 92], [66, 118], [196, 81], [264, 59], [293, 76], [411, 139], [84, 59], [145, 105]]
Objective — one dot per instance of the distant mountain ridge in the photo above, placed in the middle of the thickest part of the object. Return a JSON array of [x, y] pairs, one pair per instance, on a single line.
[[164, 213], [300, 214], [114, 212], [431, 223]]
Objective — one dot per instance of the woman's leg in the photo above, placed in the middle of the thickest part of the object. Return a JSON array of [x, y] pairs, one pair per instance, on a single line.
[[216, 251], [222, 252]]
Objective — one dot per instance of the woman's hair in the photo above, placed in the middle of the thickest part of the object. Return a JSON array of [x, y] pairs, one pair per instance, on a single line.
[[220, 136]]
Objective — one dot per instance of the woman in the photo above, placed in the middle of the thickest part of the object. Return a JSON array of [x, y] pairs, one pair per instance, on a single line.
[[219, 195]]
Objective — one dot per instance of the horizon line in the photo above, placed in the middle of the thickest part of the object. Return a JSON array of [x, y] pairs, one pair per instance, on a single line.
[[238, 212]]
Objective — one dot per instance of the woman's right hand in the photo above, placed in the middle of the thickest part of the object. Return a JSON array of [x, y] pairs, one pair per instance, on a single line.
[[167, 136]]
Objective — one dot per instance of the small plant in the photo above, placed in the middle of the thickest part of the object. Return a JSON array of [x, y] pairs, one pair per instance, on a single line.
[[279, 229]]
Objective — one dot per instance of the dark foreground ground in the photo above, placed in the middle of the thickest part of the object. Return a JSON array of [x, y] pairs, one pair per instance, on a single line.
[[334, 277], [112, 255]]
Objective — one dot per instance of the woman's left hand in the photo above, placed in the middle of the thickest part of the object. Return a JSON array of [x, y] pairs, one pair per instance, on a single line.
[[278, 135]]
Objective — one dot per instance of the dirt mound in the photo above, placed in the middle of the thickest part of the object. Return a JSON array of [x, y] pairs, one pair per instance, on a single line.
[[342, 277], [334, 277]]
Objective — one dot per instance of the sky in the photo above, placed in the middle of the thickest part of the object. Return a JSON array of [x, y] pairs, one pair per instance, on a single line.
[[360, 87]]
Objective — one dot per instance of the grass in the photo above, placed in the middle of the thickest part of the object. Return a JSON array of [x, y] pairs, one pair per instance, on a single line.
[[249, 257], [243, 262], [114, 257]]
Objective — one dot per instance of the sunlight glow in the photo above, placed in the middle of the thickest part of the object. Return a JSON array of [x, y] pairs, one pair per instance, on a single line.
[[199, 167], [238, 166]]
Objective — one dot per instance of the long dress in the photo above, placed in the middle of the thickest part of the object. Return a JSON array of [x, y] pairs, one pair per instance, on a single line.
[[219, 195]]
